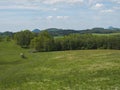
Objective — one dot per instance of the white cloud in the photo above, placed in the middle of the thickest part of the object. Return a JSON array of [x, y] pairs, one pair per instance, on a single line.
[[107, 11], [62, 17], [14, 4], [27, 7], [117, 1], [98, 6], [57, 17], [54, 9], [91, 2], [116, 8], [41, 1], [19, 7], [62, 1], [25, 4], [49, 17]]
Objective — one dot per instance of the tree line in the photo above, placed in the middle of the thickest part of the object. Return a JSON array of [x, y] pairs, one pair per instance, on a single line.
[[43, 41], [62, 32]]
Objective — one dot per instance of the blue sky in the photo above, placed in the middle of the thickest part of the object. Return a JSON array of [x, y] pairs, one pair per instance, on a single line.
[[16, 15]]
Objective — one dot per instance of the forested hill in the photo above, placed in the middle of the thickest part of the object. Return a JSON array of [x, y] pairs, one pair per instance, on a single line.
[[60, 32], [7, 33]]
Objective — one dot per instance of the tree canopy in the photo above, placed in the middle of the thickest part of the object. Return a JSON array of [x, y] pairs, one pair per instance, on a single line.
[[23, 38], [44, 42]]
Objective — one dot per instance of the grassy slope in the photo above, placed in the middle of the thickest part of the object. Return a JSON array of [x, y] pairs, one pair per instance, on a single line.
[[65, 70]]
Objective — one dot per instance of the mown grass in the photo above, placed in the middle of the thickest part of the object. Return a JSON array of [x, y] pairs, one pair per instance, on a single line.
[[106, 34], [64, 70]]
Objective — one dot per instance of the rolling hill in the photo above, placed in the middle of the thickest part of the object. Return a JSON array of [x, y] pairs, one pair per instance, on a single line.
[[64, 70], [62, 32]]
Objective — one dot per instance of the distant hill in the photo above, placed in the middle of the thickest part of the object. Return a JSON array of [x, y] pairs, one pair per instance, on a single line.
[[113, 28], [7, 33], [53, 29], [36, 31], [61, 32]]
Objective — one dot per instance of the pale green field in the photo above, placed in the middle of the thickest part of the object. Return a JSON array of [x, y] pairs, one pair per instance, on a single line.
[[106, 34], [64, 70]]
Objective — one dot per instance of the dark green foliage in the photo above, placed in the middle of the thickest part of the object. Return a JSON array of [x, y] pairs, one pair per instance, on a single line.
[[62, 32], [114, 42], [7, 33], [23, 38], [7, 38], [70, 42], [44, 42], [1, 38], [87, 41]]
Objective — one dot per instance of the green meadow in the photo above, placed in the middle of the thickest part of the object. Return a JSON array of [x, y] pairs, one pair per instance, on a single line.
[[58, 70], [106, 34]]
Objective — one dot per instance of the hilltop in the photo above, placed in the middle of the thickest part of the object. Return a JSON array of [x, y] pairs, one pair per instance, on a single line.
[[36, 31], [62, 32]]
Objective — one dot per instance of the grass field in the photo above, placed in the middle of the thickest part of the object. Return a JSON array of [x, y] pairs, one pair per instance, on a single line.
[[106, 34], [64, 70]]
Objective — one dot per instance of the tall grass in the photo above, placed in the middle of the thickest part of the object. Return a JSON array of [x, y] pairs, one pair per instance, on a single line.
[[65, 70]]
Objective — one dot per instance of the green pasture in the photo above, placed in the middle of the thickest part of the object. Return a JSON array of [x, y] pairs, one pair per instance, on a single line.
[[58, 70], [106, 34]]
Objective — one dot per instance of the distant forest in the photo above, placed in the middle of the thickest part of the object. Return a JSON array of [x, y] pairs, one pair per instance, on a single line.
[[62, 32], [60, 40]]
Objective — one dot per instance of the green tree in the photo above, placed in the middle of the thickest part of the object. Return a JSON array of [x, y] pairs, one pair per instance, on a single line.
[[23, 38], [44, 42], [114, 42], [1, 38]]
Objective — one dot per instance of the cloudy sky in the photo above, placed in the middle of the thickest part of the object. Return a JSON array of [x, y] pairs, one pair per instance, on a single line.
[[16, 15]]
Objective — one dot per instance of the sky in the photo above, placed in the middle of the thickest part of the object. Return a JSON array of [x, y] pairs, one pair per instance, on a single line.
[[16, 15]]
